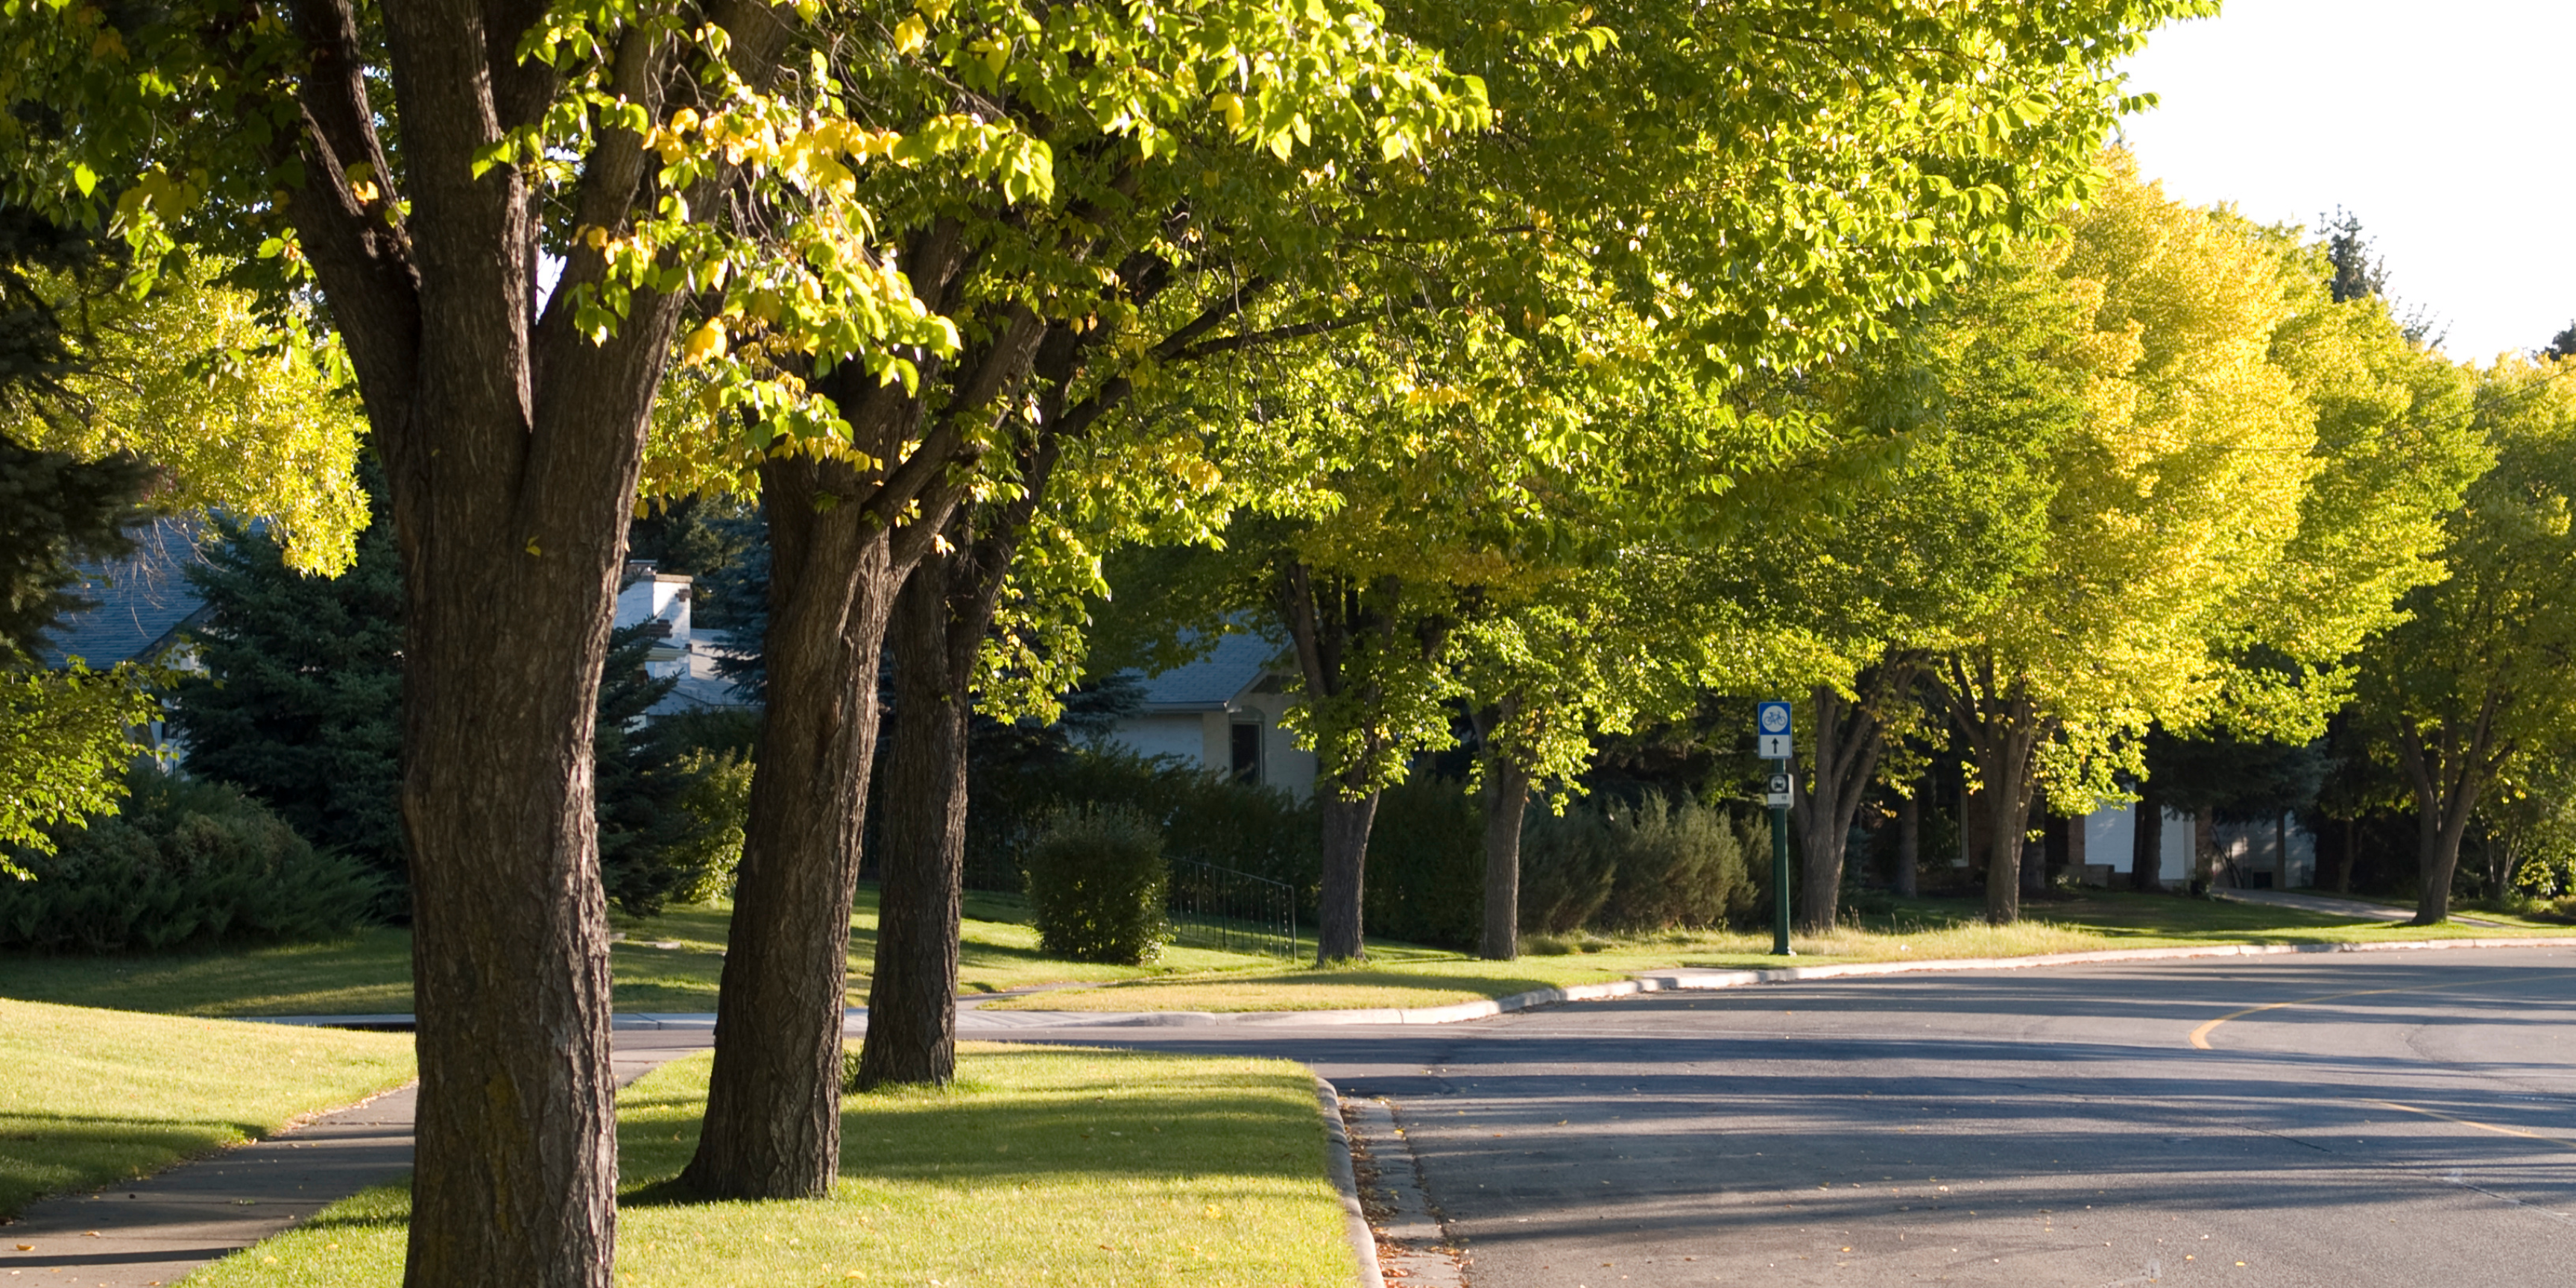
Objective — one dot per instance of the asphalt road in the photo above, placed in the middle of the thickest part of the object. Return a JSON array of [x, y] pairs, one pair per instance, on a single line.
[[2400, 1120]]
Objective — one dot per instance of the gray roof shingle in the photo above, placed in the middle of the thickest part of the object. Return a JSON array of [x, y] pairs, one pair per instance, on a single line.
[[1208, 684], [140, 601]]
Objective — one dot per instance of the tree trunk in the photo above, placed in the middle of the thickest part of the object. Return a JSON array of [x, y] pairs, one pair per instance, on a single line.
[[842, 541], [1506, 805], [1848, 738], [1337, 913], [515, 1178], [2351, 848], [2147, 841], [941, 621], [772, 1126], [912, 993], [2003, 729], [512, 442], [2448, 769], [2034, 854], [1909, 839], [1321, 623]]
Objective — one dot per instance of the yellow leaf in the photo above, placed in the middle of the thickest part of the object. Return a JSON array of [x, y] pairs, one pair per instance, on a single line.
[[703, 344], [911, 34]]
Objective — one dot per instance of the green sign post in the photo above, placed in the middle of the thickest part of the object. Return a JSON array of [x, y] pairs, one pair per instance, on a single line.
[[1771, 736]]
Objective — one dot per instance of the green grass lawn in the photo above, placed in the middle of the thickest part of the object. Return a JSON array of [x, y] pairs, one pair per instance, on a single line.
[[1041, 1167], [665, 963], [90, 1097], [1917, 930]]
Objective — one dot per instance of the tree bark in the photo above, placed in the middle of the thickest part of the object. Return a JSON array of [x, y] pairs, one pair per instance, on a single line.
[[1849, 738], [2448, 768], [941, 621], [1909, 839], [772, 1125], [912, 993], [2147, 840], [1338, 932], [1506, 806], [512, 442], [2343, 865], [2004, 729]]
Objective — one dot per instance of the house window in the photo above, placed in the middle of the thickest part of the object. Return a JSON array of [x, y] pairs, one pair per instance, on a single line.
[[1246, 752]]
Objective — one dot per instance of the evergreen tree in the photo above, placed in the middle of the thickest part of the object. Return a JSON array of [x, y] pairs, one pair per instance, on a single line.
[[300, 703], [300, 706], [648, 855], [2562, 345]]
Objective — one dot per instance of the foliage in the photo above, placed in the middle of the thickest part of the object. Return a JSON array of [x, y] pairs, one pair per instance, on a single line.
[[241, 414], [1242, 827], [184, 863], [1568, 864], [55, 509], [1680, 864], [299, 702], [1096, 879], [1657, 864], [670, 816], [2477, 676], [64, 746], [1426, 862], [717, 803]]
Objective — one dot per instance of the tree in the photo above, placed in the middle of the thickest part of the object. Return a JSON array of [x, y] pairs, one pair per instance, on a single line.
[[237, 417], [2478, 672], [1040, 264], [63, 744], [2231, 479], [299, 703], [511, 420], [2561, 345]]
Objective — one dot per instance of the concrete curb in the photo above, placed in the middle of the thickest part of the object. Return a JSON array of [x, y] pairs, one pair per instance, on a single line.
[[1337, 1162], [1681, 978], [1692, 978]]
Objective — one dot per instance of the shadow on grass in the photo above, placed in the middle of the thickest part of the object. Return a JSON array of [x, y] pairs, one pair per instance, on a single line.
[[1019, 1119], [41, 1154]]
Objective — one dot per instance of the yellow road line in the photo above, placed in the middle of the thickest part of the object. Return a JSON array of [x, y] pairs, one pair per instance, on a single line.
[[2200, 1036], [2471, 1122]]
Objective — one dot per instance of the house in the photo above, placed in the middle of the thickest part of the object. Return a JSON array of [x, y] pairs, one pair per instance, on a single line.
[[1221, 712], [648, 594], [2272, 854], [141, 606]]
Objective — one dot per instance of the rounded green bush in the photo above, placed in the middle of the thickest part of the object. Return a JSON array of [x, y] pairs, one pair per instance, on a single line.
[[1096, 882], [185, 863]]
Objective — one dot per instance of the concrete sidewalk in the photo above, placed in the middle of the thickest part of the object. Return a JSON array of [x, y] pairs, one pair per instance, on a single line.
[[153, 1231], [2330, 905]]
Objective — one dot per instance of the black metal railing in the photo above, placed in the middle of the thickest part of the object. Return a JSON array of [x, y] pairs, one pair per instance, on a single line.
[[1230, 911]]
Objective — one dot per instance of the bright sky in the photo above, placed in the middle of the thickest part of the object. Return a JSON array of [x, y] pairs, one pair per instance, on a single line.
[[2444, 126]]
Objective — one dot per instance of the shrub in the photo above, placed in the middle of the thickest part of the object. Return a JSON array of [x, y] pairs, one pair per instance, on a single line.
[[1203, 818], [717, 803], [1096, 879], [1425, 876], [1680, 863], [1568, 865], [186, 863]]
